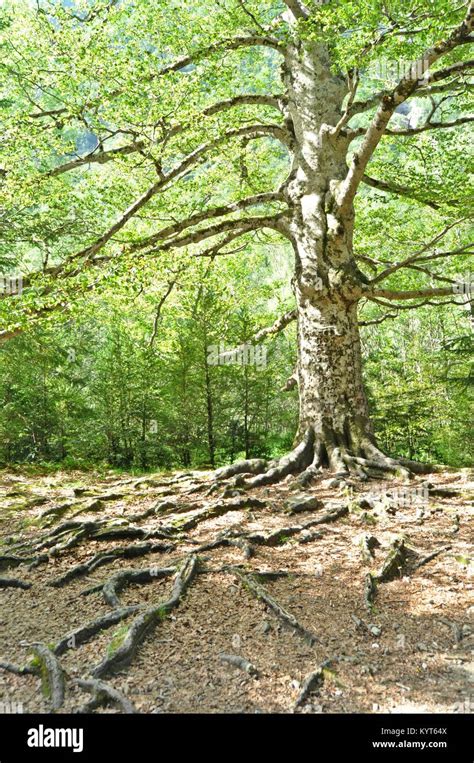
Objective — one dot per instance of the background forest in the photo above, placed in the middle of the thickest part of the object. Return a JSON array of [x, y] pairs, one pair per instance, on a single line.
[[99, 391]]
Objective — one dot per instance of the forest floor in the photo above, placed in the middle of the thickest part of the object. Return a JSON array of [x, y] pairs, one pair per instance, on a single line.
[[336, 598]]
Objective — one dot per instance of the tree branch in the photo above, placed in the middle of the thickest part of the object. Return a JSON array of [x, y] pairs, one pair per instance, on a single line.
[[237, 228], [170, 230], [452, 253], [208, 214], [431, 126], [415, 306], [234, 43], [417, 255], [410, 294], [458, 68], [376, 321], [216, 249], [169, 288], [98, 157], [388, 105], [243, 225], [95, 157], [398, 190], [251, 132], [298, 9], [424, 88], [279, 325]]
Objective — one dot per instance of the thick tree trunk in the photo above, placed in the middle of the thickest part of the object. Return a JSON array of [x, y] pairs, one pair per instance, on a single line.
[[334, 424], [332, 397], [327, 282]]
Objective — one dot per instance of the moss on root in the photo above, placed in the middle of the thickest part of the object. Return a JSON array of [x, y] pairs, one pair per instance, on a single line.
[[38, 664]]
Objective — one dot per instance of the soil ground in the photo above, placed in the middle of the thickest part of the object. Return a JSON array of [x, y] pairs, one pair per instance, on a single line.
[[413, 650]]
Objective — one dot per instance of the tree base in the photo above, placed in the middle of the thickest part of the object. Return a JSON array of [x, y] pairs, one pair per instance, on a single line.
[[312, 458]]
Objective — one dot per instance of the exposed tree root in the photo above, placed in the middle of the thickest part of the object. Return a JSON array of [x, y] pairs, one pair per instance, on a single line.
[[24, 501], [456, 524], [130, 533], [311, 683], [370, 589], [239, 662], [296, 460], [53, 682], [367, 545], [52, 675], [244, 545], [418, 468], [250, 582], [218, 510], [37, 560], [272, 574], [120, 657], [161, 507], [80, 635], [71, 534], [94, 503], [123, 578], [391, 568], [109, 556], [377, 460], [393, 563], [455, 629], [8, 561], [311, 457], [103, 694], [13, 583], [136, 621], [247, 541], [55, 513], [431, 556], [226, 539], [156, 483], [18, 670], [214, 487], [309, 475], [98, 530], [250, 466], [303, 503], [63, 529], [283, 534], [443, 492]]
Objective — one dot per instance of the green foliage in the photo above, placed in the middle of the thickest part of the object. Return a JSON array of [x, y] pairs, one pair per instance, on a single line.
[[86, 384], [95, 389]]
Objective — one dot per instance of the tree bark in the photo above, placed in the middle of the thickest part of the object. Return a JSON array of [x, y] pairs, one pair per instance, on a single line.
[[327, 283]]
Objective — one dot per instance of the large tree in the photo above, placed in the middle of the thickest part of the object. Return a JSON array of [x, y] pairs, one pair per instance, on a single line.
[[135, 129]]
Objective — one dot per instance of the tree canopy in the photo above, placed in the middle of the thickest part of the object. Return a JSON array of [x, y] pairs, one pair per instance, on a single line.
[[144, 147]]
